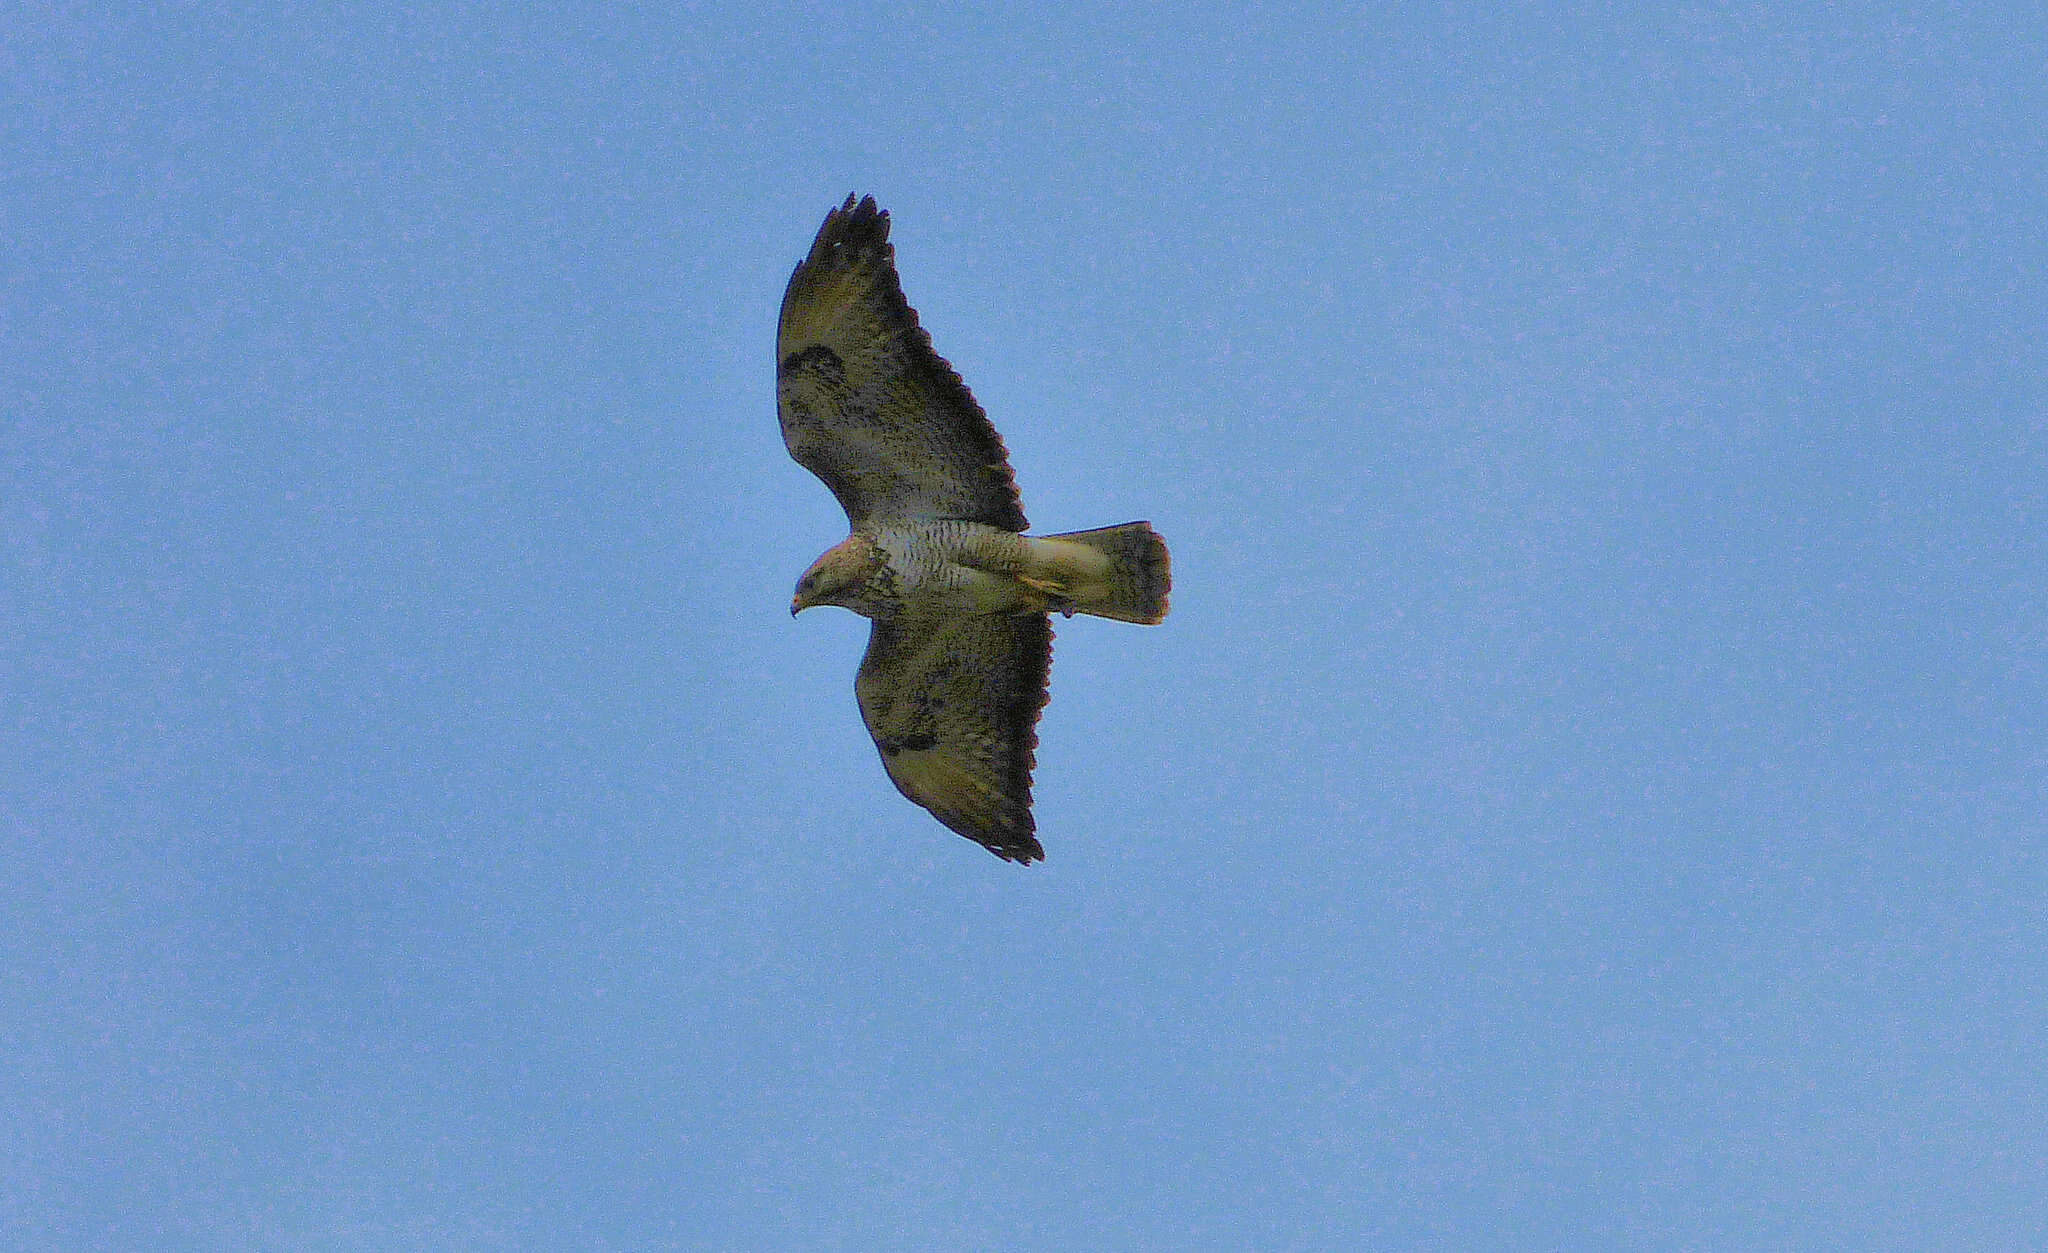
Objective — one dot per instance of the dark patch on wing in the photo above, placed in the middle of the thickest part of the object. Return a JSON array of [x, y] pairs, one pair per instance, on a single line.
[[817, 357], [914, 743]]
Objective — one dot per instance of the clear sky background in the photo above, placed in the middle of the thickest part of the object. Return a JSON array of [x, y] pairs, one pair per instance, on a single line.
[[1591, 792]]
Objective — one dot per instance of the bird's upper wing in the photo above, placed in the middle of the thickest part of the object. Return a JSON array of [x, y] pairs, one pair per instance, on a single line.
[[866, 405], [953, 704]]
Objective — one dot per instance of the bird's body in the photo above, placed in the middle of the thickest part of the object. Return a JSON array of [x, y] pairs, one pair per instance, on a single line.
[[955, 671], [974, 568]]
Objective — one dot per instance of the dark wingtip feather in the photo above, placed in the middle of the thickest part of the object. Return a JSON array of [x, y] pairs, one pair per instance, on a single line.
[[858, 225], [1021, 854]]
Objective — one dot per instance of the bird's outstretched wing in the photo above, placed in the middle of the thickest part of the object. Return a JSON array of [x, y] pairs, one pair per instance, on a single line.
[[866, 405], [953, 705]]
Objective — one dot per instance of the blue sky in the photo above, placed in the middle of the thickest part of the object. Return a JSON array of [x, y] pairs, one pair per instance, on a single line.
[[1590, 792]]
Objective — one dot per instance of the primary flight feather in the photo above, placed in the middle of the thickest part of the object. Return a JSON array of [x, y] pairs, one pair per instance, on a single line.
[[955, 672]]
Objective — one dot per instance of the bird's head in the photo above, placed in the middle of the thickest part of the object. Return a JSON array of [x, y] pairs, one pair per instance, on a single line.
[[839, 577]]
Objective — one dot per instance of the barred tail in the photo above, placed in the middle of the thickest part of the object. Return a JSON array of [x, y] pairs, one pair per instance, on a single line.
[[1119, 572]]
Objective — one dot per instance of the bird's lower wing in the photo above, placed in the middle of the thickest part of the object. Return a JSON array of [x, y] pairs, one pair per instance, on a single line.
[[953, 704]]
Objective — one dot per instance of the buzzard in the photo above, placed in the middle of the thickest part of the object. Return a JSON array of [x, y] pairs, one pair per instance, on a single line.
[[959, 597]]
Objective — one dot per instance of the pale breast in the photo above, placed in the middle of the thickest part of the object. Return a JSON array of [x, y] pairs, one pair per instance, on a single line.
[[956, 568]]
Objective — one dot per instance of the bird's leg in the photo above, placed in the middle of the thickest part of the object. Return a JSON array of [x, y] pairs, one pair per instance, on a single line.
[[1056, 599]]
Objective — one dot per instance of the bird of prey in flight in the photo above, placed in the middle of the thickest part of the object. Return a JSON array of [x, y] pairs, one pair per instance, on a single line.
[[959, 597]]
